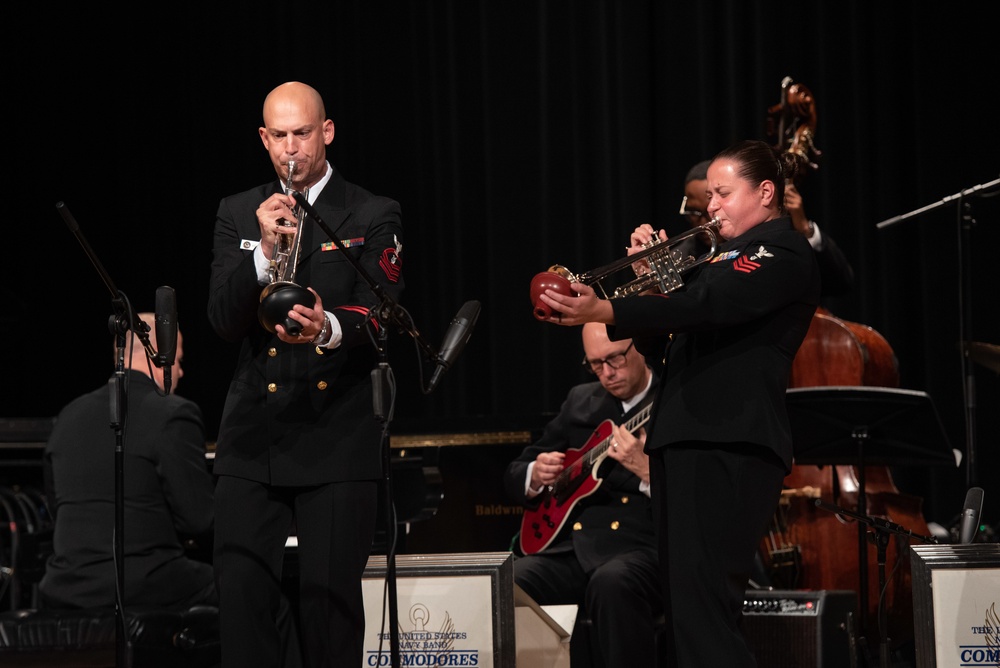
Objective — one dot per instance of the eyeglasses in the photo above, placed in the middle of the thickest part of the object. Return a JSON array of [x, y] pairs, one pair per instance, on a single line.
[[690, 213], [614, 361]]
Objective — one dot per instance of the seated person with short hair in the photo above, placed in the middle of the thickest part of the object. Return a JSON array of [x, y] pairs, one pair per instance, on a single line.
[[168, 494]]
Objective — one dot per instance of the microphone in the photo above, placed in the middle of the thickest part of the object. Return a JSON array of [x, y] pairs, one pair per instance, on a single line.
[[166, 332], [455, 339], [970, 516]]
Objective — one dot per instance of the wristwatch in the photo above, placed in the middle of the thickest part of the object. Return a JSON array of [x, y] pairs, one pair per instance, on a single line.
[[323, 337]]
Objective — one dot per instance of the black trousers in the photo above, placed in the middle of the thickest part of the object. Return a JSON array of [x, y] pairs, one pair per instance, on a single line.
[[621, 598], [711, 507], [335, 526]]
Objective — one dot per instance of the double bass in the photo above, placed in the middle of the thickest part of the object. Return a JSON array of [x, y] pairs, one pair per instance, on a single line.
[[811, 548], [807, 547]]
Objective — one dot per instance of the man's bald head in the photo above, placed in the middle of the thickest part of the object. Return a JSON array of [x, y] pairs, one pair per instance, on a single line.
[[302, 96]]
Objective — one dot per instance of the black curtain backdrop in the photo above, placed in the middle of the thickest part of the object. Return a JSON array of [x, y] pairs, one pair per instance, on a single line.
[[515, 135]]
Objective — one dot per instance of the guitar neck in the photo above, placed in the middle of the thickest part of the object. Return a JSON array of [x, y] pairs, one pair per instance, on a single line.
[[632, 425]]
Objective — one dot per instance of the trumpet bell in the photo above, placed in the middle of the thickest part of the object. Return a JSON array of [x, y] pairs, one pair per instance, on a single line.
[[556, 278], [277, 299]]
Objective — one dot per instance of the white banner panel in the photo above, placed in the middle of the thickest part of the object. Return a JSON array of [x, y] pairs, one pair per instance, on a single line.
[[452, 610], [966, 625]]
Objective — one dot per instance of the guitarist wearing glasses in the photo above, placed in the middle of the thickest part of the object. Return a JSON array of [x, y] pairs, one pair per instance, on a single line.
[[587, 535]]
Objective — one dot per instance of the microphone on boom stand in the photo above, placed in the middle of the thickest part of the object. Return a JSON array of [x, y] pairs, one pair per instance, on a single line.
[[455, 339], [166, 332]]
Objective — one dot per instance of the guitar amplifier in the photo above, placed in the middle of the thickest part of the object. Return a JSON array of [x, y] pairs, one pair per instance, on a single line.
[[799, 628]]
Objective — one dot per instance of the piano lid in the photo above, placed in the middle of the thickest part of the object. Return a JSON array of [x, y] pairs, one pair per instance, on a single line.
[[471, 430]]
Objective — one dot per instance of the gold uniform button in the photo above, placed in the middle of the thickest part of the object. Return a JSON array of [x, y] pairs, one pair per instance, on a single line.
[[272, 352], [272, 387], [614, 525], [624, 499], [321, 385], [577, 526], [319, 350]]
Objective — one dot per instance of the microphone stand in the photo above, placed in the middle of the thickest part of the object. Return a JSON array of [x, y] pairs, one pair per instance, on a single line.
[[965, 301], [119, 324], [880, 537], [383, 390]]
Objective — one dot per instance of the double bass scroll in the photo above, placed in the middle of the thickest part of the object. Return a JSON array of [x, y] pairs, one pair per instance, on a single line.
[[792, 122]]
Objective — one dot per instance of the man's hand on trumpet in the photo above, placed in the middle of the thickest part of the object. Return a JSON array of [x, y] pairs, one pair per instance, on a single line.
[[312, 321], [275, 216]]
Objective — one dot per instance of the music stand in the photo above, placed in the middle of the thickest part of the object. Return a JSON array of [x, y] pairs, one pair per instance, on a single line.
[[866, 425]]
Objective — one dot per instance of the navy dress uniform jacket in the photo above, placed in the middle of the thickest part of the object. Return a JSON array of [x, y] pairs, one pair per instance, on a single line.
[[275, 428], [168, 498], [738, 321]]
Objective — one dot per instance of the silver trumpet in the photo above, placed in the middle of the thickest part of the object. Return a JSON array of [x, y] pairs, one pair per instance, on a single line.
[[282, 292], [665, 263]]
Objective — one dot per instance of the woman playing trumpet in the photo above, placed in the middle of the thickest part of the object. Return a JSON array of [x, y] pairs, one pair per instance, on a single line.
[[719, 442]]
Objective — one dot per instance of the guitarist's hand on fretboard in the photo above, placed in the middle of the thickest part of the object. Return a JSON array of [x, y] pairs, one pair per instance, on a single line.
[[627, 450]]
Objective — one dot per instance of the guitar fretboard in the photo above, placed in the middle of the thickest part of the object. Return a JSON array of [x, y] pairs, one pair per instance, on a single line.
[[586, 463], [632, 424]]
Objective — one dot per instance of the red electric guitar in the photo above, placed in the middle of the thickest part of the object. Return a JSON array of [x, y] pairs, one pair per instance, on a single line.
[[577, 481]]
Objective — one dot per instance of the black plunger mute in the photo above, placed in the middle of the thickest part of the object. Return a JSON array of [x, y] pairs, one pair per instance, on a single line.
[[277, 299]]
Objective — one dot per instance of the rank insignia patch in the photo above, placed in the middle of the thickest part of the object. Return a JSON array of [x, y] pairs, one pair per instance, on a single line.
[[745, 264], [748, 263], [391, 262]]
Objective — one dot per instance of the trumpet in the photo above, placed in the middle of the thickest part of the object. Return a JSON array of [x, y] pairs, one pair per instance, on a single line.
[[286, 247], [282, 292], [666, 264]]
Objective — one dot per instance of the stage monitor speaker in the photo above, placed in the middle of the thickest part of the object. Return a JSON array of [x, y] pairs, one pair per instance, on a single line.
[[799, 628]]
